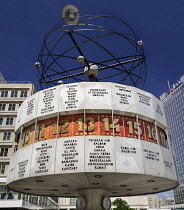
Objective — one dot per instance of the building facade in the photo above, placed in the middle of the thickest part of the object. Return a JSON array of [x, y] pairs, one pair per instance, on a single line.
[[135, 202], [174, 110], [11, 97], [142, 202], [155, 202], [12, 94]]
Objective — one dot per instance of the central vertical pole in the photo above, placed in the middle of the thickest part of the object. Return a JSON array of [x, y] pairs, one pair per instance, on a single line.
[[93, 198]]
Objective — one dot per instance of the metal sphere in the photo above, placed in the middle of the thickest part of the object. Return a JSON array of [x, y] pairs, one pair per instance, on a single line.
[[71, 14], [140, 43], [37, 65], [81, 59], [92, 70], [60, 82]]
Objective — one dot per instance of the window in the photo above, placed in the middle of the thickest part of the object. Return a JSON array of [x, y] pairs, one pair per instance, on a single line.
[[1, 121], [73, 201], [11, 107], [2, 107], [15, 148], [14, 93], [7, 135], [4, 93], [9, 121], [23, 93], [2, 168], [3, 151], [2, 188]]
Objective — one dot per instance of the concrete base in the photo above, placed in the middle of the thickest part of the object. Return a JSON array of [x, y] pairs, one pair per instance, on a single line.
[[93, 198]]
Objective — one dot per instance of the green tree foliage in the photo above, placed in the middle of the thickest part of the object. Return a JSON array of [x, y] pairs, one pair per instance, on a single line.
[[120, 204]]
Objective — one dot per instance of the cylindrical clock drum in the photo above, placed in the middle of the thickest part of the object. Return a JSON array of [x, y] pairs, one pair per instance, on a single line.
[[91, 135]]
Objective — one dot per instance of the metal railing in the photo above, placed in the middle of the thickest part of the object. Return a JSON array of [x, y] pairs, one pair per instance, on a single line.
[[40, 201], [44, 202]]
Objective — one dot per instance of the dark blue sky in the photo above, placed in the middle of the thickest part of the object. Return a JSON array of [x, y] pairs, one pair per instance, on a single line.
[[159, 23]]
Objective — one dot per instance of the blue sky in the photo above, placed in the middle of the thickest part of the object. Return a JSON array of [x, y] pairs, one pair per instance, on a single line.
[[158, 23]]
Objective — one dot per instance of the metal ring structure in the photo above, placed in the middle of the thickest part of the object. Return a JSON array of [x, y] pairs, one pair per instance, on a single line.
[[113, 47]]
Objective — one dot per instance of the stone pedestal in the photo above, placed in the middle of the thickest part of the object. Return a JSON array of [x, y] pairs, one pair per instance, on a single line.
[[93, 198]]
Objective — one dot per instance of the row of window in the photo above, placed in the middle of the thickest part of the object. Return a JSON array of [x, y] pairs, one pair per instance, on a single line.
[[14, 93], [11, 107], [9, 120]]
